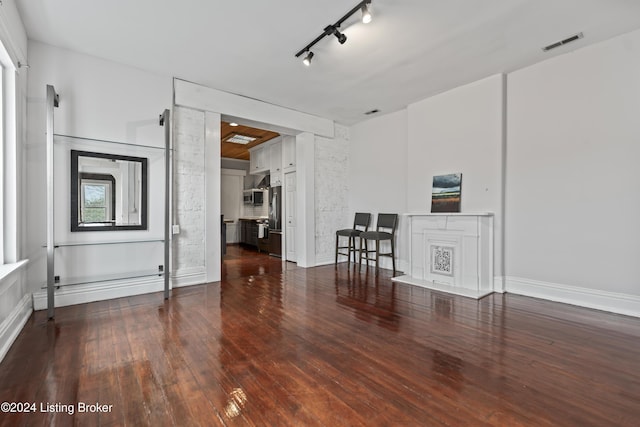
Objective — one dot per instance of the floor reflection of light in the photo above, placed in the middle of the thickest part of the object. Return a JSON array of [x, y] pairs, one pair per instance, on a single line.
[[237, 399]]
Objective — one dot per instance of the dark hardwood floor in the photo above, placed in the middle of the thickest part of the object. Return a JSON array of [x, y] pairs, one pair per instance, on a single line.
[[273, 344]]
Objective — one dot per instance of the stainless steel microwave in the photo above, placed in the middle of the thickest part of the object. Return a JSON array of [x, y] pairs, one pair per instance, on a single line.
[[253, 197]]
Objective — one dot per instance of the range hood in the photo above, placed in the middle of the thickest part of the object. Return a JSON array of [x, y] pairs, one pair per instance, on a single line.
[[265, 182], [252, 182]]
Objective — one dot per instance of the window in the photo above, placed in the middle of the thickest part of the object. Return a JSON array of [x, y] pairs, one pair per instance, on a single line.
[[2, 148], [97, 199], [9, 154]]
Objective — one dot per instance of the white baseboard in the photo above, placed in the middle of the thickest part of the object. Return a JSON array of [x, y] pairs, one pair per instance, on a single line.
[[80, 294], [600, 300], [320, 263], [499, 284], [13, 324], [189, 277]]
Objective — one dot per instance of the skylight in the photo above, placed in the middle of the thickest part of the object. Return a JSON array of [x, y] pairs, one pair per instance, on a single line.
[[240, 139]]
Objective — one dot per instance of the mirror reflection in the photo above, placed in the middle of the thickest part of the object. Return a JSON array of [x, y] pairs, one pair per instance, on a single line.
[[108, 192]]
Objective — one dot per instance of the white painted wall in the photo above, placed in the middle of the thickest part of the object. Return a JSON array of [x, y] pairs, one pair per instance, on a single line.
[[331, 191], [88, 261], [101, 100], [12, 32], [572, 229], [377, 175], [393, 158], [460, 131]]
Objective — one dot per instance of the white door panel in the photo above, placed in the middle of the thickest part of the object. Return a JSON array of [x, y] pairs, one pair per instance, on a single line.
[[290, 216]]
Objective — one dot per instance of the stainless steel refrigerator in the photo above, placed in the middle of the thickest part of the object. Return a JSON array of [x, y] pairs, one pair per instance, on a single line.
[[275, 208], [275, 221]]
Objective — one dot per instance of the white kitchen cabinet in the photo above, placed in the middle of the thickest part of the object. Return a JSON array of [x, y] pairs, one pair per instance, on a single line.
[[275, 154], [289, 153], [258, 159]]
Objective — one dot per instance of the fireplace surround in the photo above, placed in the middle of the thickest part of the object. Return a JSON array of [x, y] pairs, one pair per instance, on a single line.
[[451, 252]]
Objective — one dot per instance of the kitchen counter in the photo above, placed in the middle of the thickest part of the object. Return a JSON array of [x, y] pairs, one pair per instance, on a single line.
[[253, 218], [249, 231]]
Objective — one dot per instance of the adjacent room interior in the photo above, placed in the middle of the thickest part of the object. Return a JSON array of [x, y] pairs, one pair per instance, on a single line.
[[188, 205]]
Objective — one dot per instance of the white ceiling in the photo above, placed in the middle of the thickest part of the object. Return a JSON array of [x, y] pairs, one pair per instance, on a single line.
[[412, 49]]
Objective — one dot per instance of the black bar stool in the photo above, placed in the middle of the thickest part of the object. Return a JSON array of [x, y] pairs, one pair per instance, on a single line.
[[388, 222], [360, 224]]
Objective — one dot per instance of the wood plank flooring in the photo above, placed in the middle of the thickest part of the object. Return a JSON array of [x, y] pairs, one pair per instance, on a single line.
[[277, 345]]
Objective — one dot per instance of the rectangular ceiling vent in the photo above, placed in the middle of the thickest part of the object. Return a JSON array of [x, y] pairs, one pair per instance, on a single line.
[[563, 42]]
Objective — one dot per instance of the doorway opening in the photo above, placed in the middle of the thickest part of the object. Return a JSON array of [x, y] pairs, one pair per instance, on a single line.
[[257, 215]]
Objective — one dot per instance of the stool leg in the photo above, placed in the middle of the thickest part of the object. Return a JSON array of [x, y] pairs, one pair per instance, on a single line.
[[393, 257], [349, 250], [337, 241], [360, 259], [353, 249], [377, 255], [366, 251]]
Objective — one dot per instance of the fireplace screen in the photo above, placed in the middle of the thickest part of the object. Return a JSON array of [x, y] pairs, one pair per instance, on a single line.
[[442, 260]]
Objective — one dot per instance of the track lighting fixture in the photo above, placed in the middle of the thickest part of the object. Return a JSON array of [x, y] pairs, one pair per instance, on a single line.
[[334, 30], [307, 59]]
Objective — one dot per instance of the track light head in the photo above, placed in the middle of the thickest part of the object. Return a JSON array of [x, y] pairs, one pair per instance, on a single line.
[[341, 37], [329, 30], [366, 14], [307, 59]]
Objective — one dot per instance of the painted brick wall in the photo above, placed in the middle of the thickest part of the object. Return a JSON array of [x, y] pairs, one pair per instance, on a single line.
[[331, 188], [188, 190]]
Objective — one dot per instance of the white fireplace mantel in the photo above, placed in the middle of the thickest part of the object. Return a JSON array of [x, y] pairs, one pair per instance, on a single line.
[[451, 252]]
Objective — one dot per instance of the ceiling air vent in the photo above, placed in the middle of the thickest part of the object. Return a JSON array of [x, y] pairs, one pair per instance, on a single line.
[[563, 42]]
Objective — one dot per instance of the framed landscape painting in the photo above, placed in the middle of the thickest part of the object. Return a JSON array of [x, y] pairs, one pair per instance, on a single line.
[[445, 195]]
